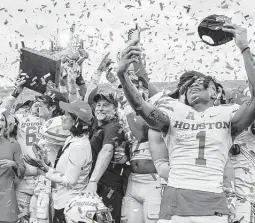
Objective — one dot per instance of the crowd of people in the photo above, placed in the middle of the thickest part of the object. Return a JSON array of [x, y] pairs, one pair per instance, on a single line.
[[132, 155]]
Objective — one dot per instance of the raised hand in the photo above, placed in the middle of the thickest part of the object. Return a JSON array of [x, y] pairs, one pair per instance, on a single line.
[[240, 34], [105, 63], [19, 83], [129, 55]]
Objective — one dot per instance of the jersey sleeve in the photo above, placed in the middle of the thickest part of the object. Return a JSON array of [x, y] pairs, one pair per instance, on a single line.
[[165, 104], [18, 117]]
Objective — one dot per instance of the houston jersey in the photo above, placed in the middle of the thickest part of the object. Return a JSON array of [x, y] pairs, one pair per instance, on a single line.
[[198, 146], [244, 164], [28, 133]]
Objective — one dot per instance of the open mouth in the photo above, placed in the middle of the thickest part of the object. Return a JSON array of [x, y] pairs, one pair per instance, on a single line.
[[195, 90], [101, 114]]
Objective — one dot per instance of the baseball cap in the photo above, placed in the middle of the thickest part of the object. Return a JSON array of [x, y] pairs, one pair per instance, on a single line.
[[79, 108], [183, 78], [106, 96], [26, 103], [211, 26]]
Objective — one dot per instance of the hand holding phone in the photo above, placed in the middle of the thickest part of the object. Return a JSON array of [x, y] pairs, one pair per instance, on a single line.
[[134, 34]]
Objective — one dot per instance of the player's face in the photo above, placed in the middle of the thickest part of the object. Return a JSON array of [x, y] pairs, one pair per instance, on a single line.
[[104, 110], [35, 108], [23, 110], [2, 124], [67, 121], [197, 92], [44, 111]]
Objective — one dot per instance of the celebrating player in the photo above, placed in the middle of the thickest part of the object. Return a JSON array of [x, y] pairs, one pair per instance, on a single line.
[[200, 135]]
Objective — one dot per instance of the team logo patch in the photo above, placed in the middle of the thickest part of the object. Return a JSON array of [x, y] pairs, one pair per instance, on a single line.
[[190, 116]]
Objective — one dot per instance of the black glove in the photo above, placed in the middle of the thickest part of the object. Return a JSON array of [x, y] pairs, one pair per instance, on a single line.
[[235, 149], [253, 129]]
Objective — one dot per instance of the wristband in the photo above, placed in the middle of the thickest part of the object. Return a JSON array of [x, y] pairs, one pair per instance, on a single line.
[[246, 48]]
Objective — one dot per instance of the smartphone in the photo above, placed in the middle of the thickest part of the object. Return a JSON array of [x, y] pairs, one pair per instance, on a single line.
[[134, 33]]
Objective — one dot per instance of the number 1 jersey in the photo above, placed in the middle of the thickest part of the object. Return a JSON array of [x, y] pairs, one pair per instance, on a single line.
[[198, 144]]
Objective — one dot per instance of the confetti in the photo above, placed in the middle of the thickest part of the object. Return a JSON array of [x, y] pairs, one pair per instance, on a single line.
[[161, 6], [129, 6], [187, 8], [139, 2], [14, 61], [5, 22], [39, 26], [190, 34]]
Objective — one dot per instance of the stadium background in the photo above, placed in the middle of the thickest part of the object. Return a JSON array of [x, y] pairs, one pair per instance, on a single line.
[[169, 35]]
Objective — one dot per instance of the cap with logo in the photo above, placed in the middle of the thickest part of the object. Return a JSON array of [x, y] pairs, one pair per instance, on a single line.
[[106, 96], [80, 109], [211, 26]]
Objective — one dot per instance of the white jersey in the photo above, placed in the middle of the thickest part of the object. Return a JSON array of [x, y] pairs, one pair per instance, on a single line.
[[244, 165], [28, 133], [198, 146]]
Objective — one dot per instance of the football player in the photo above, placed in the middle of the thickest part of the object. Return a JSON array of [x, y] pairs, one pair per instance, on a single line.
[[200, 135], [242, 156]]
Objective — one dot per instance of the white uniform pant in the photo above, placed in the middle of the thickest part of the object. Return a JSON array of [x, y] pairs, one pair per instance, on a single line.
[[244, 211], [39, 206], [141, 203], [196, 219]]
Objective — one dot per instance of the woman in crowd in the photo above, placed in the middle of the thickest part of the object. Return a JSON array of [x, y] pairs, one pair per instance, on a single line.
[[73, 164], [11, 164]]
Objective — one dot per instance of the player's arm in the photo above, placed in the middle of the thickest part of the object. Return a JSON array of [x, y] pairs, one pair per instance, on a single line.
[[142, 74], [245, 116], [152, 115], [93, 85], [159, 153], [9, 101]]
